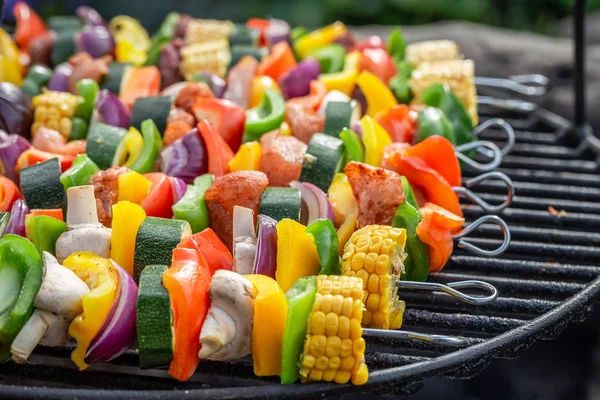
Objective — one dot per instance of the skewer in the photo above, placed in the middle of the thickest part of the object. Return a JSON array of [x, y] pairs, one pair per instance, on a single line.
[[445, 340], [502, 124], [469, 183], [484, 147], [528, 85], [520, 106], [466, 245]]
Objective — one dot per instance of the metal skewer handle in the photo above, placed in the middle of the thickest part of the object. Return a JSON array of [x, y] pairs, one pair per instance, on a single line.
[[528, 85], [492, 209], [465, 244], [451, 289], [408, 335], [485, 147], [502, 124], [520, 106]]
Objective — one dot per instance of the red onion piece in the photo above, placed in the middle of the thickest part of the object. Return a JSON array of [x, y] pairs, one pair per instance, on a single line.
[[277, 31], [359, 96], [179, 188], [60, 78], [186, 158], [16, 224], [168, 64], [11, 147], [266, 253], [215, 82], [95, 40], [325, 207], [111, 110], [296, 83], [16, 111], [174, 89], [310, 203], [244, 240], [89, 16], [356, 128], [118, 331]]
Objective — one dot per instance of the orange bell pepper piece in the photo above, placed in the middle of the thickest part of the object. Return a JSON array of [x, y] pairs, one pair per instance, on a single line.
[[226, 118], [9, 193], [159, 201], [436, 188], [29, 24], [399, 122], [33, 156], [187, 281], [439, 154], [219, 152], [438, 239], [442, 217], [318, 90], [215, 253], [280, 61], [141, 82], [262, 25], [52, 212]]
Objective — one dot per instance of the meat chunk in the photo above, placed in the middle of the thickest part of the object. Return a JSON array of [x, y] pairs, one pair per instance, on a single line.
[[241, 188], [281, 158], [190, 93], [106, 190], [388, 153], [239, 81], [378, 191], [303, 121], [86, 67]]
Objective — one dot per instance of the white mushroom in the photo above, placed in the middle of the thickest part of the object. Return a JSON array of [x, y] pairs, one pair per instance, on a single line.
[[85, 232], [58, 301], [244, 240], [227, 330]]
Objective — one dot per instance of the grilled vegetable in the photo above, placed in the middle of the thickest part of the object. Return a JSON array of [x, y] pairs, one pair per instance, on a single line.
[[41, 187], [54, 110], [213, 56], [322, 160]]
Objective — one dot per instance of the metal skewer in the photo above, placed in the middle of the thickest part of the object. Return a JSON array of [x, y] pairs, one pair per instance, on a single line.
[[409, 335], [484, 147], [469, 183], [520, 106], [466, 245], [502, 124], [528, 85]]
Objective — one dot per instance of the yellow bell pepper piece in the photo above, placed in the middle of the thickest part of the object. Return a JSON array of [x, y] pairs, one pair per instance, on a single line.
[[270, 314], [124, 27], [103, 280], [319, 38], [10, 71], [345, 208], [259, 84], [379, 96], [126, 52], [130, 147], [296, 253], [285, 129], [133, 187], [345, 80], [247, 158], [8, 48], [126, 220], [375, 138]]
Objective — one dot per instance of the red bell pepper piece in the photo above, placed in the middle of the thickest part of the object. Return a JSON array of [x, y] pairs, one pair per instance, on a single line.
[[280, 61], [29, 24], [262, 25], [159, 201], [318, 90], [438, 152], [227, 118], [219, 152], [215, 253], [51, 212], [371, 42], [9, 193], [378, 62], [33, 156], [187, 281], [438, 239], [142, 82], [399, 121], [419, 174]]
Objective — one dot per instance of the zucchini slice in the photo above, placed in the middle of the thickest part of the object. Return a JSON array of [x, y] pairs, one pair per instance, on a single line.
[[322, 160], [281, 202], [41, 186], [102, 144]]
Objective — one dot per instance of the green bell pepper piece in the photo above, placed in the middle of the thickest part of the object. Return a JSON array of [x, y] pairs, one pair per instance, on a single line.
[[80, 172], [43, 231], [396, 45], [37, 77], [88, 89], [432, 121], [408, 217], [144, 163], [355, 151], [301, 298], [330, 57], [265, 117], [79, 129], [440, 96], [399, 83], [325, 237], [162, 37], [297, 33], [192, 206], [21, 273], [4, 220]]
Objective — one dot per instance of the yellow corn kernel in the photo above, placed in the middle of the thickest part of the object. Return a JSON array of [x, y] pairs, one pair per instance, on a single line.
[[459, 75], [54, 110], [213, 56], [334, 348], [375, 254], [206, 30], [432, 50]]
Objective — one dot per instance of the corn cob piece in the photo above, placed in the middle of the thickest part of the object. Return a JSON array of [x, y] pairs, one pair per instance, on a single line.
[[432, 50], [211, 56], [375, 253], [207, 30], [458, 74], [54, 110], [334, 348]]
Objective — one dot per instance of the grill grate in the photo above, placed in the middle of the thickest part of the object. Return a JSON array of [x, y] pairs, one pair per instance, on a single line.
[[547, 171]]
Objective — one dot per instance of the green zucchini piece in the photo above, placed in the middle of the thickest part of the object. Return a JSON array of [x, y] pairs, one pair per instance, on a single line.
[[239, 51], [242, 35], [112, 80], [155, 240], [102, 144], [337, 117], [41, 186], [322, 160], [281, 202], [4, 219], [61, 23], [64, 47], [154, 319], [156, 108]]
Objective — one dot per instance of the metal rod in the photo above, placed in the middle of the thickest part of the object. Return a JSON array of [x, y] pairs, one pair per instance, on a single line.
[[520, 106], [487, 207], [502, 124], [464, 244], [579, 61], [408, 335], [484, 147], [450, 289], [528, 85]]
